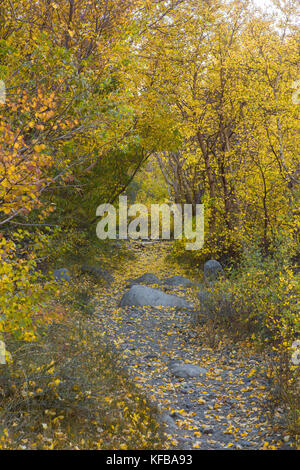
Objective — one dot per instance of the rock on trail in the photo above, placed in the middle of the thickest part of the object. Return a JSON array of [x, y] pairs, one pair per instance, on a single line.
[[146, 296], [212, 270], [186, 371], [147, 278], [178, 281]]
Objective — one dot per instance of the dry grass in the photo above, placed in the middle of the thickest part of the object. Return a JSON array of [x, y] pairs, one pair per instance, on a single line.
[[67, 391]]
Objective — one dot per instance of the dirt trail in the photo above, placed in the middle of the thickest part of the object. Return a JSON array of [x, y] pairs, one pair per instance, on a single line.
[[225, 408]]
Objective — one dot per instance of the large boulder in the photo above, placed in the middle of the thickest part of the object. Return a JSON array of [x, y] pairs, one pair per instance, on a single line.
[[213, 270], [146, 296], [147, 278], [97, 273], [62, 274]]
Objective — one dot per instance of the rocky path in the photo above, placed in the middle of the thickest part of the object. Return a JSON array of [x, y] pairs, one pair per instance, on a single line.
[[218, 403]]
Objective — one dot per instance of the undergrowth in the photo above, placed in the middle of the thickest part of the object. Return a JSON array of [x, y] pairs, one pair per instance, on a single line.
[[66, 389]]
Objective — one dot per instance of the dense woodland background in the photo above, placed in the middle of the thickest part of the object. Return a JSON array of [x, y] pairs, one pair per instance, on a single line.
[[192, 101]]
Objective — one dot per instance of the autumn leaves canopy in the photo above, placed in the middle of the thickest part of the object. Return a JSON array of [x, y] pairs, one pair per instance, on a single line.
[[95, 88]]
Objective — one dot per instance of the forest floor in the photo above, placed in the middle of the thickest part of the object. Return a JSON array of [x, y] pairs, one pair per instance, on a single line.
[[227, 407]]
